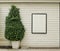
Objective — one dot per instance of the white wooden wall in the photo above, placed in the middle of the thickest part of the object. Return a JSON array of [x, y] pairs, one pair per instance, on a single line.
[[51, 39], [29, 0]]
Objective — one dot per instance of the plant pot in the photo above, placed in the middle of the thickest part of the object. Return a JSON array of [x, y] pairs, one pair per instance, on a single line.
[[15, 44]]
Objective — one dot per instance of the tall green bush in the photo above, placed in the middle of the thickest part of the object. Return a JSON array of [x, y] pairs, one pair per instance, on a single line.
[[14, 29]]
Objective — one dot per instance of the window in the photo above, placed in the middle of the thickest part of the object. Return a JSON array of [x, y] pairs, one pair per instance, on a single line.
[[39, 23]]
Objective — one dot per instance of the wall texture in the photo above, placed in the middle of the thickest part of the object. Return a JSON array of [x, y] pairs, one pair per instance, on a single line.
[[29, 0], [29, 49], [51, 39]]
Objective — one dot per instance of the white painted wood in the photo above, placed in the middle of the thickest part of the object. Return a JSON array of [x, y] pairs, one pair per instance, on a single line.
[[51, 39], [29, 49], [29, 0]]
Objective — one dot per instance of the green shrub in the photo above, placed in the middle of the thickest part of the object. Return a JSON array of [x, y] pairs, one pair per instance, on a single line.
[[14, 29]]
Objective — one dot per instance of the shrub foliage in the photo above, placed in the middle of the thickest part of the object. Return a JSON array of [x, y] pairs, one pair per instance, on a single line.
[[14, 29]]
